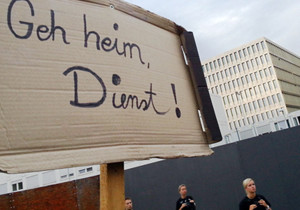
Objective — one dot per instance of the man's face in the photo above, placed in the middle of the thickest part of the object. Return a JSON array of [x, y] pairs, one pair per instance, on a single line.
[[183, 191], [128, 205], [251, 188]]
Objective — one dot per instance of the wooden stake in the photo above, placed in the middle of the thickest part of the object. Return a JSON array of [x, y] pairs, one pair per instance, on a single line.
[[112, 190]]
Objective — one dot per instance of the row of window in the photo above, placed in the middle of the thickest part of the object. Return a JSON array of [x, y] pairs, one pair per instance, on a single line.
[[255, 118], [219, 76], [228, 59], [253, 105], [238, 83], [48, 177]]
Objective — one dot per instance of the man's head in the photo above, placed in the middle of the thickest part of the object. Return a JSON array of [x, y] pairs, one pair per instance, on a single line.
[[182, 190], [128, 204]]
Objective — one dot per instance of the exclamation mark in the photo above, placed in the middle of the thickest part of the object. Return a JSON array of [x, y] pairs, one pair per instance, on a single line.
[[177, 110]]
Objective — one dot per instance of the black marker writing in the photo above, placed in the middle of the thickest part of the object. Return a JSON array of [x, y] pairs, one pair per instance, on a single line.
[[134, 101], [89, 104], [43, 31], [108, 44], [125, 101]]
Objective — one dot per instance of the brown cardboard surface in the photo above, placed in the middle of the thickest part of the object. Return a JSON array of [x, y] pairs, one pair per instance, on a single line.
[[134, 98]]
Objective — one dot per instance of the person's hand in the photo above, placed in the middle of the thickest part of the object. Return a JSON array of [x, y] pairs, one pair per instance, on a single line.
[[192, 201], [263, 203], [183, 205], [253, 206]]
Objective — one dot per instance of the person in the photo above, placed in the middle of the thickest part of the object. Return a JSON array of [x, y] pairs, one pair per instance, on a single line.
[[253, 200], [128, 204], [185, 202]]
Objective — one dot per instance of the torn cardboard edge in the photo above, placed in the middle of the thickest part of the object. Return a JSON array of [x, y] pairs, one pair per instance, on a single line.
[[80, 158]]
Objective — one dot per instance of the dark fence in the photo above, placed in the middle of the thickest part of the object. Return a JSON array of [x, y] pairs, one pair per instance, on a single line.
[[214, 181]]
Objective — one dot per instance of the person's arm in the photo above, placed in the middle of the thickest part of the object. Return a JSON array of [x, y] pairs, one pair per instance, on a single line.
[[264, 202]]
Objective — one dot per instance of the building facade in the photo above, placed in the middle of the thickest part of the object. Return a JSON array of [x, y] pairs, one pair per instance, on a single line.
[[257, 82]]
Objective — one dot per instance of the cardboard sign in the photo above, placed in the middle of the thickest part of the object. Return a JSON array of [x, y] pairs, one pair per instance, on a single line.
[[84, 83]]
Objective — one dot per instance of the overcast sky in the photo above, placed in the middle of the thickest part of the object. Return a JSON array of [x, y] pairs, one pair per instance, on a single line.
[[220, 26]]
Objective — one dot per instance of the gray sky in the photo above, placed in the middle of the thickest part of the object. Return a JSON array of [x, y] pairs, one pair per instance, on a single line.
[[219, 26]]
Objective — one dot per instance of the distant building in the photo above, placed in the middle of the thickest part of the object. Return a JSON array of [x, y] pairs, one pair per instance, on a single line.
[[257, 82]]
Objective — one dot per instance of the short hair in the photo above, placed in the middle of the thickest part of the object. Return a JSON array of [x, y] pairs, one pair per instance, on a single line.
[[128, 198], [180, 186], [246, 182]]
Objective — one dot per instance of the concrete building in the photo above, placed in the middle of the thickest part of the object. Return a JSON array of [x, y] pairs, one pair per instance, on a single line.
[[257, 81]]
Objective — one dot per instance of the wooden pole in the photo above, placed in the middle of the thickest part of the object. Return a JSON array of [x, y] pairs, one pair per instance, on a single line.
[[112, 190]]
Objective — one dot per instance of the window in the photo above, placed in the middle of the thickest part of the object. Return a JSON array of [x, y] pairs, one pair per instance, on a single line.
[[224, 100], [263, 116], [215, 64], [247, 78], [223, 61], [234, 69], [231, 57], [246, 107], [217, 89], [244, 67], [279, 97], [263, 45], [270, 85], [248, 49], [227, 113], [252, 77], [270, 100], [17, 186], [89, 169], [259, 103], [227, 60], [262, 59], [275, 84], [244, 52], [261, 74], [252, 63], [274, 99], [256, 75], [235, 56], [265, 87], [238, 81], [253, 49], [248, 65], [219, 63], [233, 83], [218, 76], [257, 46], [221, 88], [222, 74], [255, 90], [239, 67], [206, 67], [209, 78], [226, 72], [211, 66], [81, 171], [225, 86], [265, 102], [266, 72], [240, 54], [214, 77], [260, 89], [271, 70], [257, 61], [250, 106], [230, 71], [243, 80], [267, 58]]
